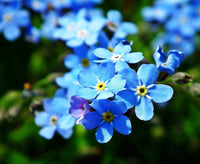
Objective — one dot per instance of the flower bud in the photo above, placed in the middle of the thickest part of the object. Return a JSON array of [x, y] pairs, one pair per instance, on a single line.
[[195, 89], [181, 78]]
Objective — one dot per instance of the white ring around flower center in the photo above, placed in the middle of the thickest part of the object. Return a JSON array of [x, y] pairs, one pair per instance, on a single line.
[[82, 33]]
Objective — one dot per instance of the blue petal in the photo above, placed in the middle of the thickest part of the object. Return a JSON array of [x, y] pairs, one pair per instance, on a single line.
[[65, 133], [11, 32], [66, 122], [104, 133], [120, 34], [120, 65], [101, 106], [48, 131], [114, 16], [144, 109], [122, 125], [92, 39], [117, 108], [104, 94], [133, 57], [103, 40], [116, 84], [74, 42], [160, 93], [159, 56], [128, 97], [129, 28], [71, 61], [148, 74], [87, 93], [131, 78], [91, 120], [22, 18], [122, 49], [87, 78], [174, 58], [42, 119], [102, 53], [105, 71]]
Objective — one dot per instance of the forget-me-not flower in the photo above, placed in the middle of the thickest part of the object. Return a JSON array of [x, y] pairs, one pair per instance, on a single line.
[[142, 90], [120, 56], [107, 115], [55, 118], [100, 82], [170, 63]]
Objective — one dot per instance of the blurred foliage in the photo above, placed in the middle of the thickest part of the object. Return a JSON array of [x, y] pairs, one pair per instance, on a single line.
[[171, 136]]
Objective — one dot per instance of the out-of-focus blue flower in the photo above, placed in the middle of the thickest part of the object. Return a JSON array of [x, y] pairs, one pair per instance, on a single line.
[[69, 81], [100, 83], [120, 56], [32, 34], [82, 58], [120, 29], [37, 5], [170, 63], [11, 20], [49, 25], [142, 90], [55, 118], [77, 4], [107, 115], [79, 108]]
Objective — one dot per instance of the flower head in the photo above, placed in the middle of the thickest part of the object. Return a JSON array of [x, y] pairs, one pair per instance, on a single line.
[[107, 115]]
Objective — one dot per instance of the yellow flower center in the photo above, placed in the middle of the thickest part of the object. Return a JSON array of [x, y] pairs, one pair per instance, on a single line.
[[85, 62], [7, 17], [101, 86], [54, 120], [108, 117], [142, 91], [110, 49]]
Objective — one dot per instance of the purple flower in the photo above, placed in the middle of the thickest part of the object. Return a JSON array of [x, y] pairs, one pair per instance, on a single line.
[[79, 108]]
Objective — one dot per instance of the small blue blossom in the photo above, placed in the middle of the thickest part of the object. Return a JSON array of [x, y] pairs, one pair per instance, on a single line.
[[107, 115], [120, 56], [120, 29], [32, 34], [141, 90], [55, 118], [170, 63], [100, 82], [11, 19]]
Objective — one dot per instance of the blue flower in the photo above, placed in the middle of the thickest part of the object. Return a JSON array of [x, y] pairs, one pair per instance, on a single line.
[[100, 83], [11, 19], [120, 56], [120, 29], [141, 90], [170, 63], [107, 115], [79, 108], [55, 118]]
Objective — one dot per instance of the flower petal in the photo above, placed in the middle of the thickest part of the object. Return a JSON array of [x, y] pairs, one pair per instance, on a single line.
[[148, 74], [65, 133], [129, 28], [122, 125], [87, 93], [122, 49], [87, 78], [101, 106], [42, 119], [66, 122], [104, 133], [104, 94], [71, 61], [128, 97], [144, 109], [116, 84], [11, 32], [117, 108], [160, 93], [133, 57], [102, 53], [91, 120], [48, 132]]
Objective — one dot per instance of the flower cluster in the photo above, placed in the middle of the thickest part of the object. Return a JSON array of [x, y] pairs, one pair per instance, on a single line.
[[180, 19], [106, 79]]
